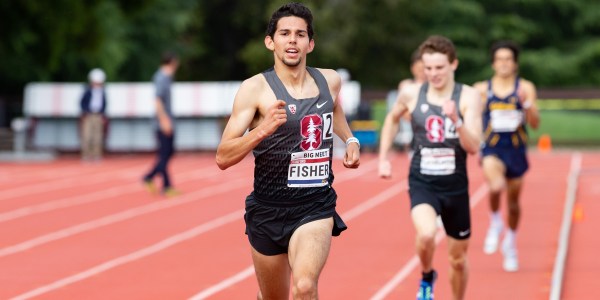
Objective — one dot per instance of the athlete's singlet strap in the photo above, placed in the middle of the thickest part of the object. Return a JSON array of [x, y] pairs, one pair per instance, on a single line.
[[423, 94], [456, 96], [275, 84], [320, 80]]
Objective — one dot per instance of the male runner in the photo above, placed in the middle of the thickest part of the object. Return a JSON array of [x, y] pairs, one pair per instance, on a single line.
[[509, 104], [446, 121], [292, 112]]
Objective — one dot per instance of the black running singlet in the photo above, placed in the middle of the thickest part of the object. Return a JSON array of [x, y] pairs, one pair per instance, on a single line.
[[438, 162], [293, 165]]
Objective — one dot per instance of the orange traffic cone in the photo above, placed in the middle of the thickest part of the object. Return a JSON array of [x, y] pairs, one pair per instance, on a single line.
[[544, 143], [578, 213]]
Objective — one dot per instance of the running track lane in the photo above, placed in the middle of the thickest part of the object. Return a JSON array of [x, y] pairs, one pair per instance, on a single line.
[[363, 258], [542, 202], [582, 265], [537, 239], [32, 265], [545, 179], [228, 201]]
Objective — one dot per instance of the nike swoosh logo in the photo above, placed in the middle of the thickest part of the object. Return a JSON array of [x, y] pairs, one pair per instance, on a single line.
[[463, 233], [319, 105]]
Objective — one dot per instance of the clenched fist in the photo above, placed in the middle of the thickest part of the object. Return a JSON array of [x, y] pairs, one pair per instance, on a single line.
[[275, 117], [449, 109]]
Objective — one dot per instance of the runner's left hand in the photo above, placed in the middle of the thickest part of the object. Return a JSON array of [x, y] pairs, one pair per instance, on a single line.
[[449, 110], [352, 156]]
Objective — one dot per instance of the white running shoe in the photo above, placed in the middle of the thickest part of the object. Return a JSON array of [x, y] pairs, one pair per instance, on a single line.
[[490, 245], [511, 259]]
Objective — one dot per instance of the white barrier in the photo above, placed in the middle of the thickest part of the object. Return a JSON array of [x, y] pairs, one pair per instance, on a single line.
[[197, 106], [190, 99]]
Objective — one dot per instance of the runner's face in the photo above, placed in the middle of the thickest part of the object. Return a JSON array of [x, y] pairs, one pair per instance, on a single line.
[[504, 64], [290, 43], [438, 70]]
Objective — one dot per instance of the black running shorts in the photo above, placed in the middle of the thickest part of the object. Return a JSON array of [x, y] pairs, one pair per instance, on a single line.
[[269, 227], [454, 210]]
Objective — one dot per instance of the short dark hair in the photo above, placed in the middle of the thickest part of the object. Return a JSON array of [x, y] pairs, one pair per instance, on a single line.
[[439, 44], [505, 45], [167, 57], [291, 9]]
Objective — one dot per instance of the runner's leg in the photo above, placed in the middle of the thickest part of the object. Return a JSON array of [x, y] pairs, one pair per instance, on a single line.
[[308, 251], [273, 275]]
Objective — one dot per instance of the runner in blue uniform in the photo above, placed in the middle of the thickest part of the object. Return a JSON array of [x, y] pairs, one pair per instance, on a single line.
[[446, 122], [292, 112], [509, 104]]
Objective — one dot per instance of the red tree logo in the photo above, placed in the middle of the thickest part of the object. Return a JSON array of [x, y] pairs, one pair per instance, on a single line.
[[310, 129], [435, 129]]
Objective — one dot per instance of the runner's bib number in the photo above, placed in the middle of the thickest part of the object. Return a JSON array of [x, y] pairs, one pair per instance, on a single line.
[[437, 161], [505, 120], [309, 169]]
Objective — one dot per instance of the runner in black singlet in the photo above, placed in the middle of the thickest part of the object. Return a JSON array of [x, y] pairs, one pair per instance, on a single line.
[[292, 112], [446, 124], [292, 173]]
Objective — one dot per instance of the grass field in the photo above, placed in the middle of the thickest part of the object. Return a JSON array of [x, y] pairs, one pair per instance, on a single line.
[[569, 128]]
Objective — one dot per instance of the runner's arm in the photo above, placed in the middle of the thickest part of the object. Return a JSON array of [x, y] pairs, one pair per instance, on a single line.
[[164, 122], [529, 102], [470, 133], [389, 131], [235, 145], [340, 124]]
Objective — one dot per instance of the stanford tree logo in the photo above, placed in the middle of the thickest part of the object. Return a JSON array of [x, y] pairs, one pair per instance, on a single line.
[[310, 129], [435, 129]]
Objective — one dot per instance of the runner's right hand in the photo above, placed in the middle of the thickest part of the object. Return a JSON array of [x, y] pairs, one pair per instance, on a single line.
[[275, 117], [385, 169]]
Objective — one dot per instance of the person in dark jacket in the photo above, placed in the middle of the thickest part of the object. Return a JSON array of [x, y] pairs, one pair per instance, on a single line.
[[93, 107]]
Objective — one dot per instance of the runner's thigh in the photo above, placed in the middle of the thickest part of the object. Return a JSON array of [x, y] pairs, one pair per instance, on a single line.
[[309, 247]]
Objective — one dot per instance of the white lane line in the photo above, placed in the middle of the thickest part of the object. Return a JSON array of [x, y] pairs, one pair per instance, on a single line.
[[231, 281], [57, 184], [347, 216], [166, 243], [124, 215], [413, 263], [47, 171], [95, 196], [565, 228], [92, 197], [67, 181]]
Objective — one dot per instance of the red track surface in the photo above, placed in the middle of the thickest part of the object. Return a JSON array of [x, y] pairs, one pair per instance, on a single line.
[[90, 231]]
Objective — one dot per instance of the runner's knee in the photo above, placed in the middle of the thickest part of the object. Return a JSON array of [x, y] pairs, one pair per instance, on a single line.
[[304, 288], [513, 207], [426, 239], [496, 185], [458, 262]]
